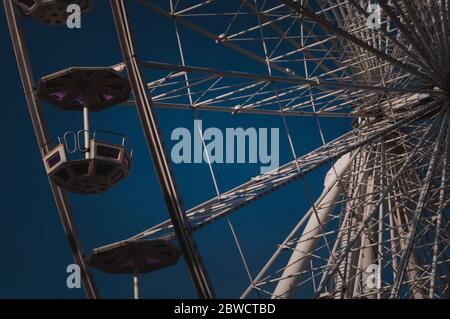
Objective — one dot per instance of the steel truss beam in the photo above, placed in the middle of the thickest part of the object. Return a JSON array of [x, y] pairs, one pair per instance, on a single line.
[[260, 186], [302, 10], [278, 79], [420, 205], [339, 256]]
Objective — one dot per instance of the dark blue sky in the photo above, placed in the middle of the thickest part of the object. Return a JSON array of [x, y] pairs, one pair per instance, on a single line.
[[35, 252]]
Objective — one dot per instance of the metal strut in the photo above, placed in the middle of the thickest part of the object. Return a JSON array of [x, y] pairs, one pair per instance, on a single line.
[[149, 123]]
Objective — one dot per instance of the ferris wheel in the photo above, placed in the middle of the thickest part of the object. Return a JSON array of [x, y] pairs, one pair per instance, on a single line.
[[380, 227]]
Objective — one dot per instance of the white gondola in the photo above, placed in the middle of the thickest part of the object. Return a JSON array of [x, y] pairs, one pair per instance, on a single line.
[[90, 165]]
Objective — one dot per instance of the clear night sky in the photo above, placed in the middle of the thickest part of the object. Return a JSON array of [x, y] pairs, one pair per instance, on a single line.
[[34, 250]]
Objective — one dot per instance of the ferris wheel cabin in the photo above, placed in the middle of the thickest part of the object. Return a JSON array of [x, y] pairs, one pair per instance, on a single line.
[[86, 162], [140, 256], [51, 12]]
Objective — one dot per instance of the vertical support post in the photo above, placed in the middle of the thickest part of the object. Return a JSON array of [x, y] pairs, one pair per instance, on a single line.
[[40, 130], [309, 239], [367, 256], [136, 283], [345, 283], [86, 129], [438, 216], [149, 123]]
